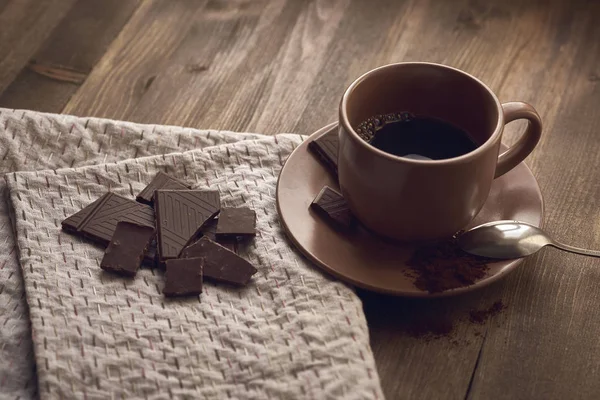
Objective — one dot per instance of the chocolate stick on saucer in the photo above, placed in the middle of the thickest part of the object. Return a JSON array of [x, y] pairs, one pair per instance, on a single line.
[[332, 206], [326, 150]]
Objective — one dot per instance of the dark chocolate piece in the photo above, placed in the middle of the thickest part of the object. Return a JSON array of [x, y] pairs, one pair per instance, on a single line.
[[326, 150], [183, 277], [220, 264], [74, 221], [126, 248], [333, 207], [98, 221], [235, 222], [151, 255], [180, 214], [160, 181], [209, 230]]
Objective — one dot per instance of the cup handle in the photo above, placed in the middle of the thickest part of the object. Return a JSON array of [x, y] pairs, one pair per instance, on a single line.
[[517, 153]]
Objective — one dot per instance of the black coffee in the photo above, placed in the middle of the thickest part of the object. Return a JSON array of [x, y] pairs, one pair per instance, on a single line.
[[418, 137]]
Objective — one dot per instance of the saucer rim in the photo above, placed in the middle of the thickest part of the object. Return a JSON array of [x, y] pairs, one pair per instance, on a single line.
[[417, 293]]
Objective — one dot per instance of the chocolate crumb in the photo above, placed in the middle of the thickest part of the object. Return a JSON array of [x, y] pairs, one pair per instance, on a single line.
[[431, 329], [443, 326], [481, 316]]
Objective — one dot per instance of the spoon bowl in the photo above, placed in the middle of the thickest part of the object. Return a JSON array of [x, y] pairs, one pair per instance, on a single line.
[[511, 239]]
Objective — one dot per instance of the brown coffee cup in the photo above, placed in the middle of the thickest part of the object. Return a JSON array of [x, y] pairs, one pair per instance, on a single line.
[[415, 200]]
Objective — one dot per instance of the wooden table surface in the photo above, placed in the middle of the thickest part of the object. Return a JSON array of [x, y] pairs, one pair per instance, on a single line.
[[281, 66]]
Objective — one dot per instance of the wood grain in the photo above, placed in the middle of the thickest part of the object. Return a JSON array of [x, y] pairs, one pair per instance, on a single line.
[[281, 66], [549, 348], [65, 59], [24, 25]]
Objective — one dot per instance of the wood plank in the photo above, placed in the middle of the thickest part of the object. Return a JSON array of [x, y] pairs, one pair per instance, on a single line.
[[237, 73], [25, 25], [208, 47], [3, 4], [65, 59], [413, 365], [126, 79], [550, 348]]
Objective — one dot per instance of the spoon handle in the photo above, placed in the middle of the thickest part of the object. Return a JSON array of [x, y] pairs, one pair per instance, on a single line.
[[572, 249]]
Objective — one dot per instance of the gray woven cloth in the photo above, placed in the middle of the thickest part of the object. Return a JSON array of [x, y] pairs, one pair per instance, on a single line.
[[292, 333], [31, 140]]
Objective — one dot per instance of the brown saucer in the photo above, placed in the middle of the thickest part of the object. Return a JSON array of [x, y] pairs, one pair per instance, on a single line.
[[366, 261]]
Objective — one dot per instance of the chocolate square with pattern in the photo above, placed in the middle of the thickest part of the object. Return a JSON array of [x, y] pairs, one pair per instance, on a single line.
[[160, 181], [98, 220], [180, 214]]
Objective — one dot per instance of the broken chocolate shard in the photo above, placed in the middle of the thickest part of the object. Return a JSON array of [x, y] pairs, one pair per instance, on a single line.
[[234, 222], [151, 255], [332, 206], [160, 181], [127, 247], [98, 221], [74, 221], [220, 264], [209, 230], [180, 214], [183, 277], [326, 150]]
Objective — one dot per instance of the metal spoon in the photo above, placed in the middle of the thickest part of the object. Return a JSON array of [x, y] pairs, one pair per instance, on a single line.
[[511, 239]]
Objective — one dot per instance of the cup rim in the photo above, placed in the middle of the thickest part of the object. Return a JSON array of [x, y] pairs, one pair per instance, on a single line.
[[454, 160]]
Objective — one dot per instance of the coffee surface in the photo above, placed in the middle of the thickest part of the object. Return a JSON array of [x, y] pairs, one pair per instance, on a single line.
[[418, 137]]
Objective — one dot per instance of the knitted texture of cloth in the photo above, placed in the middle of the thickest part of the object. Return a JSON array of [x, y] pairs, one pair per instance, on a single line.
[[292, 333]]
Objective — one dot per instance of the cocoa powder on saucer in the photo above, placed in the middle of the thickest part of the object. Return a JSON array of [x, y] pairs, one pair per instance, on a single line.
[[443, 265]]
